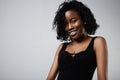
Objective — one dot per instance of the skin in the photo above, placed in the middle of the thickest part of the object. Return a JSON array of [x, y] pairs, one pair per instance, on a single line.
[[74, 22]]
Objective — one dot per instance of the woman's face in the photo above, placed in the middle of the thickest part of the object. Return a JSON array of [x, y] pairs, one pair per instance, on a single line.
[[74, 25]]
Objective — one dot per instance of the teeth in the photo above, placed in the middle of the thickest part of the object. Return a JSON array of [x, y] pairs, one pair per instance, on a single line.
[[73, 33]]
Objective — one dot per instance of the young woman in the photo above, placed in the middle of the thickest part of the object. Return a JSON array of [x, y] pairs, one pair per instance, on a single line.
[[80, 54]]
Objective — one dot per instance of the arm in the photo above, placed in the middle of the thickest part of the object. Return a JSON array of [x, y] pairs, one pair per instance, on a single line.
[[101, 56], [54, 69]]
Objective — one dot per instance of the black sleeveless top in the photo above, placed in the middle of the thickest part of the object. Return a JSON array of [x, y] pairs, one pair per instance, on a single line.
[[79, 67]]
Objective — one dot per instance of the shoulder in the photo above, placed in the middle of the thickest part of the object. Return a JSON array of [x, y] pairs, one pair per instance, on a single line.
[[60, 45], [99, 42], [63, 44], [59, 48]]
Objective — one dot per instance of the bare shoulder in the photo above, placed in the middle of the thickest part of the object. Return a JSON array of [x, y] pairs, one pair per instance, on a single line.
[[99, 40], [100, 43], [59, 48]]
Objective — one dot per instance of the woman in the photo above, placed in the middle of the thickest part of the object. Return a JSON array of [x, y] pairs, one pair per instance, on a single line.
[[80, 54]]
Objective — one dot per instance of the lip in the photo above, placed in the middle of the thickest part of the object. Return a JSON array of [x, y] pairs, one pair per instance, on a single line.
[[73, 32]]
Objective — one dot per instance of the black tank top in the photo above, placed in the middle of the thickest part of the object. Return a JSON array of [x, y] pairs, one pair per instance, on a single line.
[[79, 67]]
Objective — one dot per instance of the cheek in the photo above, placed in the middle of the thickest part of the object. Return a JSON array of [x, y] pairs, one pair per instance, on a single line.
[[79, 25]]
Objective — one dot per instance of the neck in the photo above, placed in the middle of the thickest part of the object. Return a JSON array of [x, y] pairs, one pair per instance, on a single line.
[[82, 38]]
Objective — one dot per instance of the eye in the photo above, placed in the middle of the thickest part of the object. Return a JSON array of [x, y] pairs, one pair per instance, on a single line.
[[73, 20]]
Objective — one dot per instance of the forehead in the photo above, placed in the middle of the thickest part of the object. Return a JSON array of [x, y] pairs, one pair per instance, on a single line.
[[71, 14]]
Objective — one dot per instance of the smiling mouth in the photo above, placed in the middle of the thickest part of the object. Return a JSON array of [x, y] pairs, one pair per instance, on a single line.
[[73, 32]]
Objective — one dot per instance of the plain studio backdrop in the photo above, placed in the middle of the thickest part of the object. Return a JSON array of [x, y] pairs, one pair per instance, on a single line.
[[28, 44]]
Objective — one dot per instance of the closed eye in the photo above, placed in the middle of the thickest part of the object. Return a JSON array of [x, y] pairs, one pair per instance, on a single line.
[[73, 20]]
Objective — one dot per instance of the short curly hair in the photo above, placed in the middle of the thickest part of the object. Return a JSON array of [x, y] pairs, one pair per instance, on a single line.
[[83, 11]]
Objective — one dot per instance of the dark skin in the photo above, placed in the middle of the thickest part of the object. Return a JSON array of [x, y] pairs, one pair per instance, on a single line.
[[80, 41], [74, 27]]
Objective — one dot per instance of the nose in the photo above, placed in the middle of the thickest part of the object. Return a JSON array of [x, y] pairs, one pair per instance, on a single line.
[[70, 27]]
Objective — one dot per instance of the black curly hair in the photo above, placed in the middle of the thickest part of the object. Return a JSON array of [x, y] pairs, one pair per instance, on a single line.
[[83, 11]]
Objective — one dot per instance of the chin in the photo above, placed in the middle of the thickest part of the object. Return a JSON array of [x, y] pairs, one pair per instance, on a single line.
[[76, 37]]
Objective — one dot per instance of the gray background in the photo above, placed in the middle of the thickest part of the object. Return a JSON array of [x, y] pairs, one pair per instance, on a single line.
[[28, 45]]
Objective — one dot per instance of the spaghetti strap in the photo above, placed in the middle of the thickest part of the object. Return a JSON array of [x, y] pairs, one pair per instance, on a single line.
[[64, 47]]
